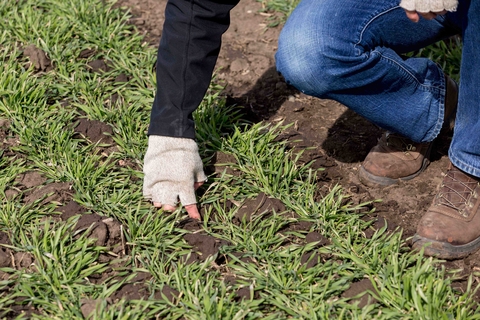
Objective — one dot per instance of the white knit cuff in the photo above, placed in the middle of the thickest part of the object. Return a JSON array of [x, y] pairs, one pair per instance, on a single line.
[[429, 5]]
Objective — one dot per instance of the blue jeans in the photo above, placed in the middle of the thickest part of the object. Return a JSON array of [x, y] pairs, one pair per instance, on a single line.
[[349, 51]]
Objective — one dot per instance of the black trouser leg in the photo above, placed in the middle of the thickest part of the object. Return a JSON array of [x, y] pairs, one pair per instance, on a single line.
[[187, 54]]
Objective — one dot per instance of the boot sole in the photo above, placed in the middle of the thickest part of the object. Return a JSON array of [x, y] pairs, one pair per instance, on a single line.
[[445, 250], [372, 180]]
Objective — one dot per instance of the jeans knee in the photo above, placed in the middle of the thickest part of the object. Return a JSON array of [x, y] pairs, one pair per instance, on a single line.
[[304, 65]]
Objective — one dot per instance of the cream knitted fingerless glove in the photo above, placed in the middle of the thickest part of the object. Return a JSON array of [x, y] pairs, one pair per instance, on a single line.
[[171, 167], [429, 5]]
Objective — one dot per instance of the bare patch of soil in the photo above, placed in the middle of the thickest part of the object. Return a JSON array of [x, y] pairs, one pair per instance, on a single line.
[[259, 205], [37, 58], [7, 138], [94, 130], [106, 231], [203, 246], [360, 292], [5, 253]]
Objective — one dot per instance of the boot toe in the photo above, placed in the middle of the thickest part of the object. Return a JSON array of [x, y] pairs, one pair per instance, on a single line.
[[436, 228]]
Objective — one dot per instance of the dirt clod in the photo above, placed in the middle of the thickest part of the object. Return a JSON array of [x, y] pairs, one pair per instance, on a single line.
[[94, 130], [121, 78], [316, 236], [259, 205], [203, 245], [86, 53], [361, 288], [134, 289], [98, 66], [311, 259], [31, 179], [57, 191], [246, 293], [168, 293], [223, 162], [88, 307], [38, 58], [23, 260], [98, 229], [5, 253], [70, 209]]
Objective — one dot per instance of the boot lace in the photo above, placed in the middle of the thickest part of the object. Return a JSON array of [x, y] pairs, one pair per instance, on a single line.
[[399, 142], [456, 191]]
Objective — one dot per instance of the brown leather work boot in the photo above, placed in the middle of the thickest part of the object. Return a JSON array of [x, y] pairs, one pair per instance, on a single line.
[[394, 158], [451, 227], [397, 158]]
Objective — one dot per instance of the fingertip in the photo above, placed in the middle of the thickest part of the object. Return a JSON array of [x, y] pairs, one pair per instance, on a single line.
[[429, 15], [197, 185], [168, 207], [192, 211], [412, 15]]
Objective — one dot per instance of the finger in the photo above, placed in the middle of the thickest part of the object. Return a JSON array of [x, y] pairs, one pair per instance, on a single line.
[[412, 15], [197, 185], [169, 208], [428, 15], [192, 211], [165, 207]]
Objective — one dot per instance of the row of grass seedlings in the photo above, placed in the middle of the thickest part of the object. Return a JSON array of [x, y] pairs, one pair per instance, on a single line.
[[154, 238], [11, 168], [213, 121], [265, 163], [130, 131], [366, 256], [62, 263], [289, 286], [411, 287], [259, 238], [57, 281]]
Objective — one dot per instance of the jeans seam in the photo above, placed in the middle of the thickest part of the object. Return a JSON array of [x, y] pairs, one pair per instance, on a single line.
[[374, 16], [405, 70], [466, 167], [441, 110]]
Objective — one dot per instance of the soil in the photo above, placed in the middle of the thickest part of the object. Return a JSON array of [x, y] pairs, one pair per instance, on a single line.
[[337, 138]]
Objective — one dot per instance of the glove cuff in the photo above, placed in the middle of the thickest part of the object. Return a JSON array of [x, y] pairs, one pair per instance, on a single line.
[[424, 6]]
